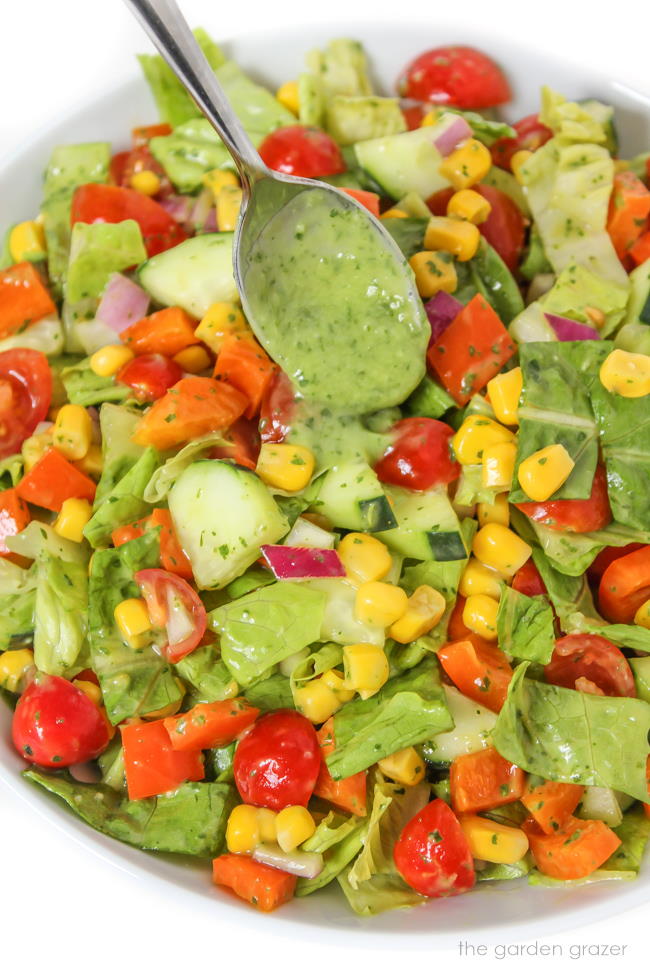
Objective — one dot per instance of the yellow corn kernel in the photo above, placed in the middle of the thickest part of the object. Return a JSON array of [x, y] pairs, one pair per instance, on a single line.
[[457, 237], [430, 118], [73, 517], [133, 622], [366, 668], [518, 161], [221, 319], [216, 179], [15, 665], [316, 700], [641, 617], [498, 466], [504, 392], [109, 359], [294, 825], [266, 825], [500, 549], [394, 213], [93, 463], [495, 512], [469, 205], [492, 841], [285, 466], [193, 359], [146, 182], [404, 766], [73, 431], [365, 558], [243, 831], [287, 95], [335, 680], [626, 373], [480, 616], [34, 447], [379, 603], [475, 434], [467, 165], [479, 580], [228, 203], [90, 690], [426, 607], [433, 273], [27, 242], [545, 471], [595, 316], [167, 710]]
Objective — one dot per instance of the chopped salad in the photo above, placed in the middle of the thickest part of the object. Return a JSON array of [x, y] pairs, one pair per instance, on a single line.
[[337, 602]]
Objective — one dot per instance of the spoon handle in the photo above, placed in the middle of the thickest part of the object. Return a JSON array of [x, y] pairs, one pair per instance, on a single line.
[[169, 31]]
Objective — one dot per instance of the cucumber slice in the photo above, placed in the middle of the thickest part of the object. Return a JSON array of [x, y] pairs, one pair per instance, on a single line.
[[350, 496], [222, 515], [599, 802], [427, 526], [193, 274], [471, 731]]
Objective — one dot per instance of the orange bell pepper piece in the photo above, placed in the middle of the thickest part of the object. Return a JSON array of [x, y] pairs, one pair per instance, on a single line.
[[347, 794], [24, 299], [52, 480], [166, 332], [194, 406], [484, 780], [243, 363], [264, 887]]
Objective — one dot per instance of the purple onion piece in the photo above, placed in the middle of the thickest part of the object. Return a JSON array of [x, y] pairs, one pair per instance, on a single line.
[[457, 131], [441, 311], [179, 208], [289, 562], [569, 331], [122, 304]]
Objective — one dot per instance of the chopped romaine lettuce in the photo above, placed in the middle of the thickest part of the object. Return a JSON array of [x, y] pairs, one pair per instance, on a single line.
[[352, 118], [125, 503], [119, 451], [17, 601], [164, 477], [60, 615], [525, 626], [341, 67], [86, 388], [172, 100]]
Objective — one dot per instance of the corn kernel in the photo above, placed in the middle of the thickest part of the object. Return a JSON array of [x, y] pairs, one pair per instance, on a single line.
[[498, 466], [545, 471], [243, 831], [287, 95], [467, 165], [221, 319], [294, 825], [193, 359], [379, 603], [366, 668], [626, 373], [365, 558], [216, 179], [504, 392], [27, 242], [494, 842], [109, 359], [433, 273], [475, 434], [335, 680], [73, 517], [266, 824], [316, 700], [595, 316], [285, 466], [518, 161], [430, 118], [495, 512], [133, 622], [146, 182], [500, 549], [457, 237], [34, 447], [93, 463], [469, 205], [480, 616], [479, 580], [228, 202], [15, 665], [641, 617], [426, 607], [73, 431], [394, 214], [404, 766], [90, 690]]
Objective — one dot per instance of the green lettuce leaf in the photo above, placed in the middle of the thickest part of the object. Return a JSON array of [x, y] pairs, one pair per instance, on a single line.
[[535, 260], [164, 477], [577, 289], [339, 838], [271, 693], [342, 68], [60, 615], [207, 675], [326, 657], [39, 537], [17, 602], [250, 580], [490, 276], [352, 118], [407, 232], [86, 388], [172, 100], [504, 871], [125, 503], [525, 626], [117, 423], [11, 471], [634, 833]]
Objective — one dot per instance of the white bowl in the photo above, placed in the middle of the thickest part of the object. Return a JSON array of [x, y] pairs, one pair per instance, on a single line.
[[503, 910]]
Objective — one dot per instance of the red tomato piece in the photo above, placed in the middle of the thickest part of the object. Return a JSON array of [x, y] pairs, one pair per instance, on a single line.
[[150, 376], [531, 134], [25, 396], [138, 159], [245, 444], [585, 655], [55, 724], [413, 115], [590, 515], [301, 150], [625, 586], [528, 580], [277, 763], [101, 203], [348, 794], [174, 605], [505, 227], [24, 299], [605, 558], [117, 168], [419, 456], [210, 725], [484, 780], [432, 853], [172, 556], [455, 75], [277, 409], [52, 480], [14, 516], [151, 765], [478, 669]]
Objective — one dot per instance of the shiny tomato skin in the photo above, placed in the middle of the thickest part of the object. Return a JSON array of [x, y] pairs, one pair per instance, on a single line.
[[585, 655], [505, 227], [301, 150], [531, 135], [159, 587], [277, 409], [589, 515], [413, 115], [25, 396], [244, 448], [420, 455], [150, 376], [277, 762], [528, 580], [56, 725], [432, 853], [455, 75], [605, 558]]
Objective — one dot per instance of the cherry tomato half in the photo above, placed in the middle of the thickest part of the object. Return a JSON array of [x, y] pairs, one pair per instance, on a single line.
[[585, 655], [528, 580], [432, 853], [25, 396], [150, 376], [531, 134], [101, 203], [300, 150], [277, 762], [625, 586], [420, 455], [590, 515], [413, 115], [456, 75], [55, 724], [244, 445], [175, 606], [605, 558], [277, 409]]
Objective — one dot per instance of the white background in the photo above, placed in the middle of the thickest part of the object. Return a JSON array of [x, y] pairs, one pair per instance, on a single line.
[[60, 908]]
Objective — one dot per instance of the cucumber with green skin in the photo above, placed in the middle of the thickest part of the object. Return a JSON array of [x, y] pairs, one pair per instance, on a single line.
[[350, 496], [192, 275], [427, 526]]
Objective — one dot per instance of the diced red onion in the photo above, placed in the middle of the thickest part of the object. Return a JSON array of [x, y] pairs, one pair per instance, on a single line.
[[441, 311], [201, 209], [298, 863], [179, 208], [569, 331], [123, 303], [289, 562], [210, 225], [455, 132]]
